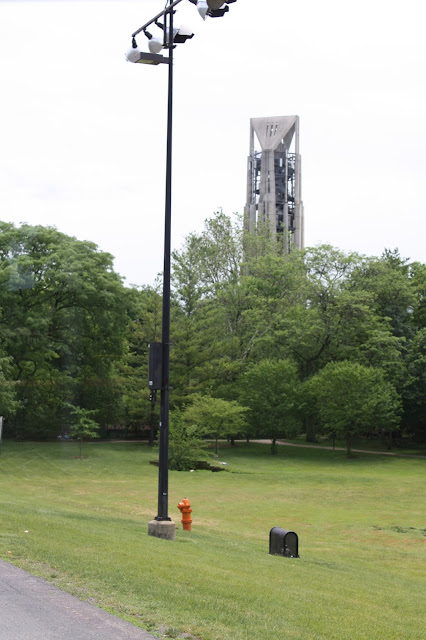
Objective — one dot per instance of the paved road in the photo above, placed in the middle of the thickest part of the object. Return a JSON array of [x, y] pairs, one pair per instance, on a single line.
[[32, 609]]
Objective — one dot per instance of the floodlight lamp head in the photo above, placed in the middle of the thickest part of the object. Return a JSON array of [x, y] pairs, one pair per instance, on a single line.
[[155, 45], [182, 34], [218, 13], [218, 10], [134, 53]]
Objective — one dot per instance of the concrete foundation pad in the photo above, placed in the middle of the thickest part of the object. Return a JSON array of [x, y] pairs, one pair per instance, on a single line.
[[165, 529]]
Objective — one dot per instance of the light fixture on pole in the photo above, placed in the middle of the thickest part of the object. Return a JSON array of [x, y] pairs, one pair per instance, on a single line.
[[134, 54], [159, 359]]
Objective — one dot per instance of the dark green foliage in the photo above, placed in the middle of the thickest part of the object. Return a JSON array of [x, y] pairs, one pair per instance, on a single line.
[[144, 308], [62, 325], [249, 322], [352, 400], [82, 425], [270, 390], [186, 445], [8, 402], [414, 391], [216, 418]]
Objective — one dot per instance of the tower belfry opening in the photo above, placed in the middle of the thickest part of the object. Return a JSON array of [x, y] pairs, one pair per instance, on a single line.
[[274, 179]]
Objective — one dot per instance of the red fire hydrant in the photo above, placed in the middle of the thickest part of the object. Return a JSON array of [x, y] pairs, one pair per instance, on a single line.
[[185, 509]]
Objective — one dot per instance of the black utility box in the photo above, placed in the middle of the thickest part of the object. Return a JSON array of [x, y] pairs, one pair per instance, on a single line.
[[155, 365], [283, 543]]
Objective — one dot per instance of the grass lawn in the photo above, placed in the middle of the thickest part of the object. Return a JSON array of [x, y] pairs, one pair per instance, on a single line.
[[82, 524]]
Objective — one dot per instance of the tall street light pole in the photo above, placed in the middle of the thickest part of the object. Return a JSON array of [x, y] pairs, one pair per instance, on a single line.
[[163, 479], [159, 368]]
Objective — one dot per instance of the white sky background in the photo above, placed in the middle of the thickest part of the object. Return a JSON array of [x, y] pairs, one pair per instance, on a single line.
[[83, 132]]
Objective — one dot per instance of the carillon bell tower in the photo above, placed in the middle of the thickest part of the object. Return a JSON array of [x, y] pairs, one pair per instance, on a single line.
[[274, 179]]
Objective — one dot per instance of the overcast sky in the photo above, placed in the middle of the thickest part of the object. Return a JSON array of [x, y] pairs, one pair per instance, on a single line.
[[83, 132]]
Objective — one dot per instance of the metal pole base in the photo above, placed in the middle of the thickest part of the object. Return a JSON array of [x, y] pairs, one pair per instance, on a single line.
[[165, 529]]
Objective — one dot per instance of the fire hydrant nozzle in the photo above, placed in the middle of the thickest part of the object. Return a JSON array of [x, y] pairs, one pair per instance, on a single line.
[[185, 509]]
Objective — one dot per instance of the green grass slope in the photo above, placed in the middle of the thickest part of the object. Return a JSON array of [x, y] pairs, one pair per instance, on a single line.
[[82, 524]]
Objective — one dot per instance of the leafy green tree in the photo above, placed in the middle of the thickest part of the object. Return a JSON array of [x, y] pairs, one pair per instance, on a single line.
[[208, 328], [191, 349], [313, 330], [414, 392], [220, 253], [62, 322], [8, 402], [331, 319], [272, 286], [186, 444], [387, 280], [83, 426], [144, 309], [216, 417], [383, 350], [270, 390], [352, 399], [417, 311]]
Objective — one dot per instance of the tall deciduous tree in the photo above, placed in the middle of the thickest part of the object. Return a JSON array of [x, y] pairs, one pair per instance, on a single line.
[[208, 329], [269, 388], [387, 280], [414, 392], [62, 322], [352, 399], [418, 286]]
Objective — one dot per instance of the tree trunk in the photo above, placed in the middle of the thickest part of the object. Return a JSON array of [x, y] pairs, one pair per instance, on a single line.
[[232, 441], [273, 446], [216, 448]]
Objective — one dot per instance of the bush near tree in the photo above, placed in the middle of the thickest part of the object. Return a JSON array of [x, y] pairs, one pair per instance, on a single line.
[[186, 445]]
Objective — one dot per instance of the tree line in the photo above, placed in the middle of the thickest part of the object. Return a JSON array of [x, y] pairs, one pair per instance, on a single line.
[[264, 343]]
